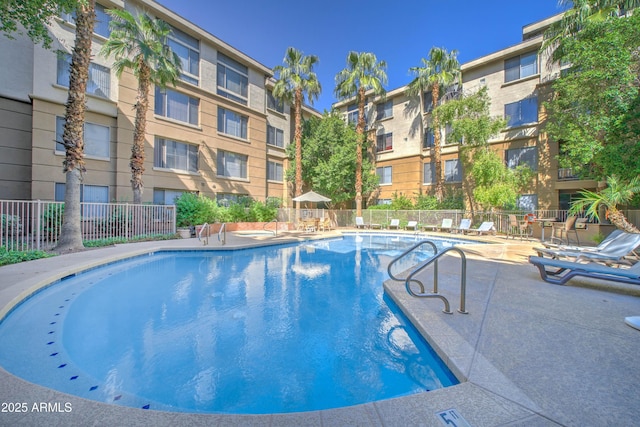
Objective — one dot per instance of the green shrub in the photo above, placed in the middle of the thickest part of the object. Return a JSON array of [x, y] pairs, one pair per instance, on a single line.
[[52, 220], [14, 257], [192, 209], [262, 212]]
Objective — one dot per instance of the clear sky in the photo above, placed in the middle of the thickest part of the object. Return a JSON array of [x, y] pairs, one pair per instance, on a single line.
[[400, 32]]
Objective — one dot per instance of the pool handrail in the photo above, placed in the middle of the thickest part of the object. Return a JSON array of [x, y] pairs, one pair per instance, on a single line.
[[275, 232], [205, 226], [223, 232]]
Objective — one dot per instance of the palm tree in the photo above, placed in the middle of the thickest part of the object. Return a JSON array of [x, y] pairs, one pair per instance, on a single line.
[[295, 79], [616, 193], [73, 134], [579, 13], [139, 43], [439, 70], [363, 73]]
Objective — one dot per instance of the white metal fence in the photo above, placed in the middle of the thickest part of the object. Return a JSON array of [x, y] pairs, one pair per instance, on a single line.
[[36, 225]]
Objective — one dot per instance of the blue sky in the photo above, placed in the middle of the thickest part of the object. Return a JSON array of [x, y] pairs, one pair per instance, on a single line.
[[399, 32]]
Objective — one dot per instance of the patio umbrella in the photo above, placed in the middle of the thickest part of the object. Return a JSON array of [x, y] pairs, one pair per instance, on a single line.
[[311, 196]]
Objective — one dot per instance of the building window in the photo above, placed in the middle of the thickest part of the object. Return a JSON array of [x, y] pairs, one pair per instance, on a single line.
[[520, 67], [383, 202], [165, 197], [232, 123], [99, 82], [385, 174], [522, 112], [448, 130], [527, 202], [429, 176], [232, 165], [275, 136], [527, 156], [233, 79], [101, 25], [384, 110], [97, 139], [274, 171], [88, 193], [452, 171], [429, 139], [168, 154], [428, 101], [273, 103], [384, 142], [188, 50], [352, 114], [177, 106]]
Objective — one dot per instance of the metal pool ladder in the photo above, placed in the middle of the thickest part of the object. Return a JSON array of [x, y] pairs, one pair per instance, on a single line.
[[424, 264], [205, 226], [275, 232], [222, 233]]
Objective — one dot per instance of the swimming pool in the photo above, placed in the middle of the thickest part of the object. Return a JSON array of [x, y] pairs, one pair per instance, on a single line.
[[274, 329]]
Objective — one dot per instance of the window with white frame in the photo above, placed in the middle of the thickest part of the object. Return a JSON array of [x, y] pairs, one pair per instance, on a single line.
[[527, 202], [384, 142], [163, 196], [522, 112], [521, 66], [385, 174], [232, 165], [273, 103], [101, 25], [99, 82], [232, 123], [453, 171], [352, 114], [177, 106], [169, 154], [88, 193], [527, 156], [275, 171], [188, 50], [233, 79], [275, 136], [384, 110], [97, 139], [429, 174]]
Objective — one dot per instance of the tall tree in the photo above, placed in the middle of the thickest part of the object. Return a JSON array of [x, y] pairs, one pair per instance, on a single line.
[[33, 16], [362, 74], [440, 70], [577, 14], [139, 43], [295, 81]]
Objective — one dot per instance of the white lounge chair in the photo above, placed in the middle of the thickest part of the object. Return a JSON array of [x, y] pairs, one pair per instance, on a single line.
[[394, 224], [465, 225], [412, 225], [485, 228], [613, 252], [360, 222]]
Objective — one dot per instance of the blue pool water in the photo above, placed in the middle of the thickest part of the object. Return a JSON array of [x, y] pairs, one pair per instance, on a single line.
[[267, 330]]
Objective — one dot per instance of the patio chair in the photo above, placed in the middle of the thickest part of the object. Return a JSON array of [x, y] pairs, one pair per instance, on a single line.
[[566, 270], [615, 251], [394, 224], [360, 222], [325, 224], [485, 228], [465, 225], [412, 225], [560, 230], [519, 228]]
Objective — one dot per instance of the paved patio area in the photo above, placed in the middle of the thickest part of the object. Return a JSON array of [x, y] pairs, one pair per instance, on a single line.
[[528, 353]]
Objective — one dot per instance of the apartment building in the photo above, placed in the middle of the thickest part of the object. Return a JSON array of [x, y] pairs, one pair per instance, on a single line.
[[518, 82], [219, 132]]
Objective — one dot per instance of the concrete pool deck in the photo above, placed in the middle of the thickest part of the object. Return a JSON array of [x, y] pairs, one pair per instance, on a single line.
[[528, 353]]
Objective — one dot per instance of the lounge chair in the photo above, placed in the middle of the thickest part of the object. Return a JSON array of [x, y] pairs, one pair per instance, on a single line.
[[447, 224], [605, 242], [394, 224], [412, 225], [485, 228], [360, 222], [465, 225], [565, 270], [615, 251]]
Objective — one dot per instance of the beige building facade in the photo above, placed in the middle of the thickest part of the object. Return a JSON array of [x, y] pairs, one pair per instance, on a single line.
[[219, 132], [518, 80]]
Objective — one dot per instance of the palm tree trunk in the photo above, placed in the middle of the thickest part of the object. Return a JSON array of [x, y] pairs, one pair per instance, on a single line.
[[437, 149], [73, 135], [298, 139], [137, 149], [360, 141], [618, 219]]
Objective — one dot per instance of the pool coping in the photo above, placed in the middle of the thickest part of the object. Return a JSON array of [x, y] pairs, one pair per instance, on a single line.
[[490, 395]]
